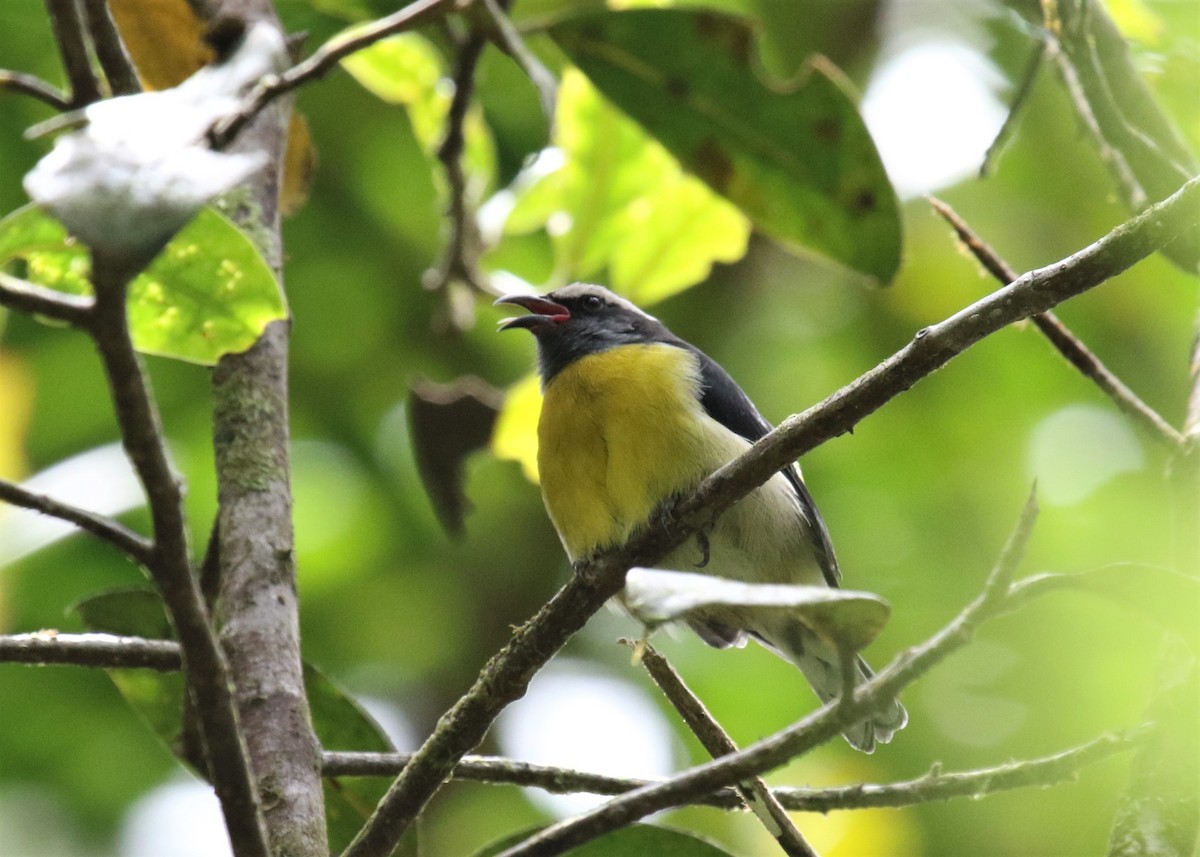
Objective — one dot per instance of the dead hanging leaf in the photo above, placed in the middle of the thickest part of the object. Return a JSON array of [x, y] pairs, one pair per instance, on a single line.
[[843, 616], [166, 41], [449, 422], [299, 164]]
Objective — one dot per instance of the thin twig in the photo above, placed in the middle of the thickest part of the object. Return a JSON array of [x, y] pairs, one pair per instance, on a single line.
[[1024, 88], [799, 738], [460, 257], [717, 742], [134, 545], [206, 671], [71, 37], [1127, 182], [251, 569], [107, 651], [110, 49], [32, 85], [1067, 344], [511, 41], [930, 349], [936, 785], [507, 674], [22, 295], [1144, 151], [325, 58]]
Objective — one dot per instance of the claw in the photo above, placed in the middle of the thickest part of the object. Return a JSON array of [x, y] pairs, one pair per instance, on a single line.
[[702, 541]]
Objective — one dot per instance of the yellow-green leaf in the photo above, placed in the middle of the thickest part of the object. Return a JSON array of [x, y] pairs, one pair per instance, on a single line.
[[619, 207], [799, 163], [208, 293]]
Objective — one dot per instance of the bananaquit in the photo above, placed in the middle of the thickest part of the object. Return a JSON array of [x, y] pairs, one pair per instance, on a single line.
[[633, 417]]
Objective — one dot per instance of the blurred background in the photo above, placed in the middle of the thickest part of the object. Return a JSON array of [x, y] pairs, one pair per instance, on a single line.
[[919, 499]]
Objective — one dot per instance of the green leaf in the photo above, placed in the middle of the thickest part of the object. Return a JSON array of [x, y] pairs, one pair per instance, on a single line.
[[132, 611], [799, 163], [407, 69], [842, 616], [619, 203], [342, 724], [638, 840], [208, 293], [156, 697]]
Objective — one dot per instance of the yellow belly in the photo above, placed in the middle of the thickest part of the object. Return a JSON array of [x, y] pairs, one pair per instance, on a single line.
[[619, 432]]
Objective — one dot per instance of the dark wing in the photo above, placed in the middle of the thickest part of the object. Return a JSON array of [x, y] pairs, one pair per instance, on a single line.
[[728, 404]]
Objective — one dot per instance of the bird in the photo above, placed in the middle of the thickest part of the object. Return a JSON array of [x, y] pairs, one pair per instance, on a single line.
[[633, 418]]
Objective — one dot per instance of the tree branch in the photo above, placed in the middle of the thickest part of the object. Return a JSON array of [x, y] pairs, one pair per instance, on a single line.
[[251, 563], [1144, 152], [460, 258], [799, 738], [107, 651], [325, 58], [717, 742], [508, 673], [71, 37], [930, 349], [134, 545], [24, 296], [1067, 344], [510, 40], [206, 672], [110, 50], [32, 85], [936, 785]]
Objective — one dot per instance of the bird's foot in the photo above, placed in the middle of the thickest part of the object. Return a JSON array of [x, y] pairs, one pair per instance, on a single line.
[[702, 543]]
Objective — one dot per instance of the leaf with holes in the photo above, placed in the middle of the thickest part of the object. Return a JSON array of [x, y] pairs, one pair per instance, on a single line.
[[799, 162]]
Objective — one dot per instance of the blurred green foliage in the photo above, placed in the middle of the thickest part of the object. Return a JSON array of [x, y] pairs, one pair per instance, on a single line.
[[919, 498]]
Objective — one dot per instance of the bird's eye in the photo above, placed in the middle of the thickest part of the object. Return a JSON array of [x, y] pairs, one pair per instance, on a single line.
[[592, 302]]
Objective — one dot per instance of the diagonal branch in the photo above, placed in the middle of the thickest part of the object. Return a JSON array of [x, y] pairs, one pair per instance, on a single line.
[[718, 743], [930, 349], [325, 58], [508, 673], [107, 651], [19, 294], [136, 546], [72, 41], [110, 50], [801, 737], [1067, 344], [936, 785], [509, 39], [34, 86]]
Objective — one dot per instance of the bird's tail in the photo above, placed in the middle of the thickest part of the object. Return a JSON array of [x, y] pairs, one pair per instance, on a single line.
[[818, 660]]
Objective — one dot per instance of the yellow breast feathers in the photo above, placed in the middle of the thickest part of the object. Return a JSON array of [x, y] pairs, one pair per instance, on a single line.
[[620, 431]]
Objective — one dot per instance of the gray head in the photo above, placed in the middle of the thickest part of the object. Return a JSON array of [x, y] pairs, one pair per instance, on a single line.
[[581, 319]]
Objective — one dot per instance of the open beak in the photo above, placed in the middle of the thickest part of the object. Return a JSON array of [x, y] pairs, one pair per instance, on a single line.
[[541, 312]]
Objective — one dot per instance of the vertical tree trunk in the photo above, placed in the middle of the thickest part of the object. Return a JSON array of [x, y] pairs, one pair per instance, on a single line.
[[260, 629]]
